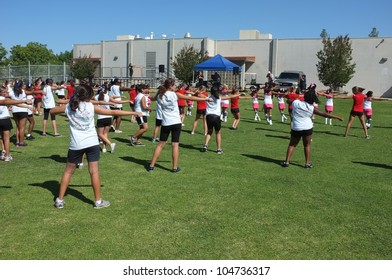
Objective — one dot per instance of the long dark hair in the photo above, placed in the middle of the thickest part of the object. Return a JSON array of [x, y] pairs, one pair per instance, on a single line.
[[216, 90], [18, 87], [82, 93]]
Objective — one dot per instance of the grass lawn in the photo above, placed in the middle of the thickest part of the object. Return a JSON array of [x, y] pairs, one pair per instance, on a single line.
[[239, 205]]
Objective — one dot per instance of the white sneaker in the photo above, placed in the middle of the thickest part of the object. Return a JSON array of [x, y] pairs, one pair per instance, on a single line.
[[104, 150], [59, 203], [8, 158], [101, 204], [112, 147], [118, 131]]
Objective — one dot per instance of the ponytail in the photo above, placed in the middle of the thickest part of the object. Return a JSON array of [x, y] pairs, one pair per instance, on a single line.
[[82, 93]]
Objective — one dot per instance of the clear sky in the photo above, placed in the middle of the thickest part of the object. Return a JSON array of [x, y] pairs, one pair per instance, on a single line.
[[60, 24]]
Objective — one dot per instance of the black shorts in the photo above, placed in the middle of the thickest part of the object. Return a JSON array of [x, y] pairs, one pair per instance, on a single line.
[[201, 112], [175, 131], [141, 120], [92, 154], [104, 122], [5, 124], [213, 122], [235, 110], [46, 115], [355, 113], [37, 100], [158, 122], [20, 115], [301, 133]]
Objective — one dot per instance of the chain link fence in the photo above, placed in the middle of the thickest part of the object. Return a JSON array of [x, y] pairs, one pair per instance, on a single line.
[[29, 73]]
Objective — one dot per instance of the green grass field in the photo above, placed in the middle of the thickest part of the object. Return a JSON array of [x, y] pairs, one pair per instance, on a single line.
[[239, 205]]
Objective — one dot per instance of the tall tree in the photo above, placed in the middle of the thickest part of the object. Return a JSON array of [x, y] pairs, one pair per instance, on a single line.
[[373, 33], [324, 34], [335, 68], [83, 68], [185, 60], [3, 55], [34, 53]]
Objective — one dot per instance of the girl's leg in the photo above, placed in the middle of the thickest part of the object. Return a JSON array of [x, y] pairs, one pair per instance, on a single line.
[[21, 129], [197, 118], [219, 140], [362, 119], [290, 149], [157, 152], [350, 121], [175, 154], [95, 179], [69, 170], [307, 141], [54, 125], [6, 141]]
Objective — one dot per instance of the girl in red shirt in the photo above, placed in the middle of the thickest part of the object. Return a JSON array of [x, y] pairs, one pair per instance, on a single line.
[[201, 109], [357, 109]]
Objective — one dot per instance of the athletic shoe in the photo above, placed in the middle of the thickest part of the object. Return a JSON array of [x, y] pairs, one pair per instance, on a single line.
[[57, 135], [2, 155], [285, 164], [112, 147], [8, 158], [43, 134], [176, 170], [30, 137], [219, 151], [101, 204], [149, 169], [140, 144], [80, 165], [104, 150], [205, 148], [367, 137], [133, 140], [21, 144], [118, 131], [308, 165], [59, 203], [112, 128]]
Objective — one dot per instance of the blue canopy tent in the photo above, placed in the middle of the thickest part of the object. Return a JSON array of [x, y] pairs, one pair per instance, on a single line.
[[216, 63]]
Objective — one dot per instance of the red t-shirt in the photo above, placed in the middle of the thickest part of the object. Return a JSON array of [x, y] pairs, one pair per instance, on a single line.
[[132, 96], [37, 95], [70, 90], [234, 102], [359, 99], [181, 102], [202, 105], [292, 97]]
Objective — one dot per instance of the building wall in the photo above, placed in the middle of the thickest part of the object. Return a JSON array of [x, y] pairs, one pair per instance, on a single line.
[[372, 58]]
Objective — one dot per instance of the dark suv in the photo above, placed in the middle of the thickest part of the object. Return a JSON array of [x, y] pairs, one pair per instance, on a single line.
[[288, 78]]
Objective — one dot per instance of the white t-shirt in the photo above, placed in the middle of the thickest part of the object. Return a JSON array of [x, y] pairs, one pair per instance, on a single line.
[[138, 104], [214, 106], [47, 97], [169, 108], [81, 125], [116, 94], [106, 99], [4, 113], [22, 96], [302, 115]]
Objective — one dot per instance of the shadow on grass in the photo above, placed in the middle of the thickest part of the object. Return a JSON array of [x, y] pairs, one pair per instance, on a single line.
[[271, 160], [5, 187], [277, 136], [144, 163], [57, 158], [53, 187], [372, 164]]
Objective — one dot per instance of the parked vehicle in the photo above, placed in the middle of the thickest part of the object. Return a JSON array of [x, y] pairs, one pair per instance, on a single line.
[[289, 78]]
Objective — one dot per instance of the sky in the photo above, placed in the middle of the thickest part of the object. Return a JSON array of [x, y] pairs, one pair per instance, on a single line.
[[61, 24]]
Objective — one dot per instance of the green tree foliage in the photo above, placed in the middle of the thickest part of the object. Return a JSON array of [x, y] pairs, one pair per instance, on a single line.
[[374, 32], [324, 34], [184, 62], [335, 68], [33, 53], [3, 55], [66, 57], [82, 68]]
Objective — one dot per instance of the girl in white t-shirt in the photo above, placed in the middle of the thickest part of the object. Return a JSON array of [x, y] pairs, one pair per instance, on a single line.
[[171, 121], [49, 103], [302, 126], [83, 140]]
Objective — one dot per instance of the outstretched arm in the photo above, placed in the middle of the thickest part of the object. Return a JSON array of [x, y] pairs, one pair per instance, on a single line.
[[102, 111], [327, 115]]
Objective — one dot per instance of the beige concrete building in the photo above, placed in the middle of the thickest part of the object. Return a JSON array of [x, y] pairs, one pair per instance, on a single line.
[[255, 53]]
